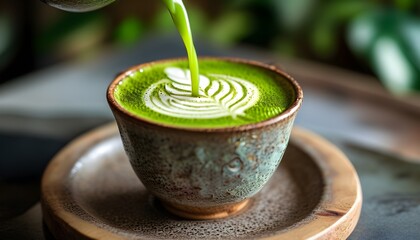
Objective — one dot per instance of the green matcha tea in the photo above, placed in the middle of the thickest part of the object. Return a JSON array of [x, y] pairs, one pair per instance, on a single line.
[[180, 17], [230, 94]]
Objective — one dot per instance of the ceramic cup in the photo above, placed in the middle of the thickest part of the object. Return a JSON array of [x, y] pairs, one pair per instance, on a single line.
[[205, 173]]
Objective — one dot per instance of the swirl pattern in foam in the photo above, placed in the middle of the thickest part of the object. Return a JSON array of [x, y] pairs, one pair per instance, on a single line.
[[220, 97], [231, 94]]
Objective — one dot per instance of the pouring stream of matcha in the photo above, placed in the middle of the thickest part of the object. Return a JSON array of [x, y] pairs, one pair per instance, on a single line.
[[180, 18]]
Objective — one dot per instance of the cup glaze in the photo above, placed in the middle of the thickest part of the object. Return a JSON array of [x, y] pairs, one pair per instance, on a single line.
[[205, 173]]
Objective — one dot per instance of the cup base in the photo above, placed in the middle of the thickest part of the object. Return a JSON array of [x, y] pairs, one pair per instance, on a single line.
[[206, 213]]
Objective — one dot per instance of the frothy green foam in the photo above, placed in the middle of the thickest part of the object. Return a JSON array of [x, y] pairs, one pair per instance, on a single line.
[[231, 94]]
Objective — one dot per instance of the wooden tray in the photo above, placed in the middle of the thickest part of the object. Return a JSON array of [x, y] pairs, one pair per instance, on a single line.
[[90, 191]]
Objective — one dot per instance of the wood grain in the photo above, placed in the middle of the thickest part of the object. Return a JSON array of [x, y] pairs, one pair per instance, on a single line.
[[89, 191]]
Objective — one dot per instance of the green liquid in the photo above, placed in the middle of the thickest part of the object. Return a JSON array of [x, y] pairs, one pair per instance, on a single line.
[[275, 94], [180, 17]]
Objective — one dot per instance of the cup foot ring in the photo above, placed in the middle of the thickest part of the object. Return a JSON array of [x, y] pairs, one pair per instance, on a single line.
[[206, 213]]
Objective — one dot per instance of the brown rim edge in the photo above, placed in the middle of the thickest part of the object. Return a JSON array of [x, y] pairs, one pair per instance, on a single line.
[[289, 112]]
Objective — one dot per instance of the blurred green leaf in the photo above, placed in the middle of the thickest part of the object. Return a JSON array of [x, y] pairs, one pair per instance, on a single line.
[[6, 39], [72, 31], [336, 14], [292, 15], [405, 4], [129, 31], [198, 20], [284, 46], [389, 39], [162, 21], [247, 3], [230, 28], [362, 32], [324, 40]]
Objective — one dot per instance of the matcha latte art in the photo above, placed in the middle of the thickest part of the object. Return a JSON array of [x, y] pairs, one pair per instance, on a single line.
[[223, 96], [230, 94]]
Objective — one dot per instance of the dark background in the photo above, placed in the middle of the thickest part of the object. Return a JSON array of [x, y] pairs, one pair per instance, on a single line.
[[345, 33], [47, 54]]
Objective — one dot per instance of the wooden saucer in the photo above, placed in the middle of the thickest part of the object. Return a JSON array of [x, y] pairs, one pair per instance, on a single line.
[[90, 191]]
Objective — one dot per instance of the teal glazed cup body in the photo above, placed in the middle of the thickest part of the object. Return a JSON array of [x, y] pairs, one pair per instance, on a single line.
[[205, 173]]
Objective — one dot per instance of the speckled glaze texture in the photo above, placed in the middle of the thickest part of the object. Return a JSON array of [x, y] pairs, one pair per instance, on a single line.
[[205, 170]]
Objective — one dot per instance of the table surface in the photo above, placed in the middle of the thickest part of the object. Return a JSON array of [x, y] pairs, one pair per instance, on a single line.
[[380, 133]]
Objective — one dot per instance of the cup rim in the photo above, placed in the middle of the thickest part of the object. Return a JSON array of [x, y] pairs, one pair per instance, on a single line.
[[289, 112]]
